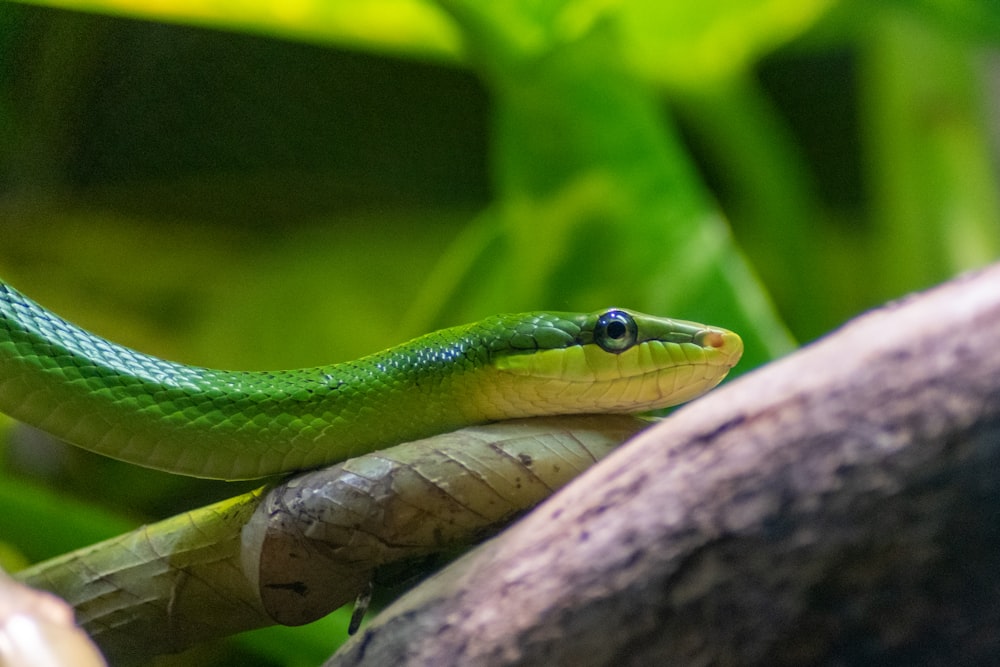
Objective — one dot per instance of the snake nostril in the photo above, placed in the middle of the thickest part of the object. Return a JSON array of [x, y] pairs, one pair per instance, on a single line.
[[710, 339]]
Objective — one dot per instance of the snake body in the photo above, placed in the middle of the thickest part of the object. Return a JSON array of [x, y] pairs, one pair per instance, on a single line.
[[245, 424]]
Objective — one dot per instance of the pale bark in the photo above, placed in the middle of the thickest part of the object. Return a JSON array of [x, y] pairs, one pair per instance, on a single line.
[[840, 506], [313, 542]]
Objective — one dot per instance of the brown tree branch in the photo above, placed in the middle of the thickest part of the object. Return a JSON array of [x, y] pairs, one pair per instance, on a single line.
[[839, 506]]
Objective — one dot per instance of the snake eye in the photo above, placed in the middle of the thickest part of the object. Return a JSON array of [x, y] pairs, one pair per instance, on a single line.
[[616, 331]]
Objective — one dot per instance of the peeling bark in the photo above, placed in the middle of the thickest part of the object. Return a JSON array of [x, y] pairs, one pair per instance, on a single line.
[[312, 543], [316, 540], [840, 506]]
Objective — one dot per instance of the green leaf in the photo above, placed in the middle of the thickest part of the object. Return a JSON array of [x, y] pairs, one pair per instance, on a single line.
[[407, 27], [691, 44], [932, 174], [598, 201]]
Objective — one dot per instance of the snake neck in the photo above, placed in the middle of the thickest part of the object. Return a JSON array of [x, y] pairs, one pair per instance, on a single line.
[[229, 424]]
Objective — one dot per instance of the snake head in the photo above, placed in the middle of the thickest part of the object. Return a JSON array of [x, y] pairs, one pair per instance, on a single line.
[[614, 360]]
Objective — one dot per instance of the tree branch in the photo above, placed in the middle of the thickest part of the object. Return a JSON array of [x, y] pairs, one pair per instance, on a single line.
[[839, 506]]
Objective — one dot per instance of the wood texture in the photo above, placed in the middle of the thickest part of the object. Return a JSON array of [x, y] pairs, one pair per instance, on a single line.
[[839, 506], [313, 542]]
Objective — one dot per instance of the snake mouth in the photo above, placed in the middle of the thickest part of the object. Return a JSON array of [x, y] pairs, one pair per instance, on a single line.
[[649, 375], [709, 347]]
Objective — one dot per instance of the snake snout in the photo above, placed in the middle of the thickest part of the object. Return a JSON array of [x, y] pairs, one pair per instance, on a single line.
[[728, 344]]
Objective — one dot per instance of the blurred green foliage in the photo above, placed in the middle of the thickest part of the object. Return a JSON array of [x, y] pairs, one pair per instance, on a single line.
[[272, 184]]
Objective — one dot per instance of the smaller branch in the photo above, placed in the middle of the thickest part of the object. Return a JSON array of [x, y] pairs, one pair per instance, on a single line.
[[316, 540], [312, 543]]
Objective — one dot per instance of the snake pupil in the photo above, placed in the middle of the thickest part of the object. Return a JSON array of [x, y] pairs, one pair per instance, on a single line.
[[616, 331]]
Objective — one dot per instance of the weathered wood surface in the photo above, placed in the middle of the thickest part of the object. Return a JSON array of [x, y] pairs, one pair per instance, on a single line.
[[840, 506]]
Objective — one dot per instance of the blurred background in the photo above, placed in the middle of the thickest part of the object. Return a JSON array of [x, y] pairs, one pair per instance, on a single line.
[[266, 184]]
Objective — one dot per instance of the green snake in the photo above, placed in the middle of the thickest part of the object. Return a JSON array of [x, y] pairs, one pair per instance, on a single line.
[[246, 424]]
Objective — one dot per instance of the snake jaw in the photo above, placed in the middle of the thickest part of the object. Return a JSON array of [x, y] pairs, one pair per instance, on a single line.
[[649, 375]]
